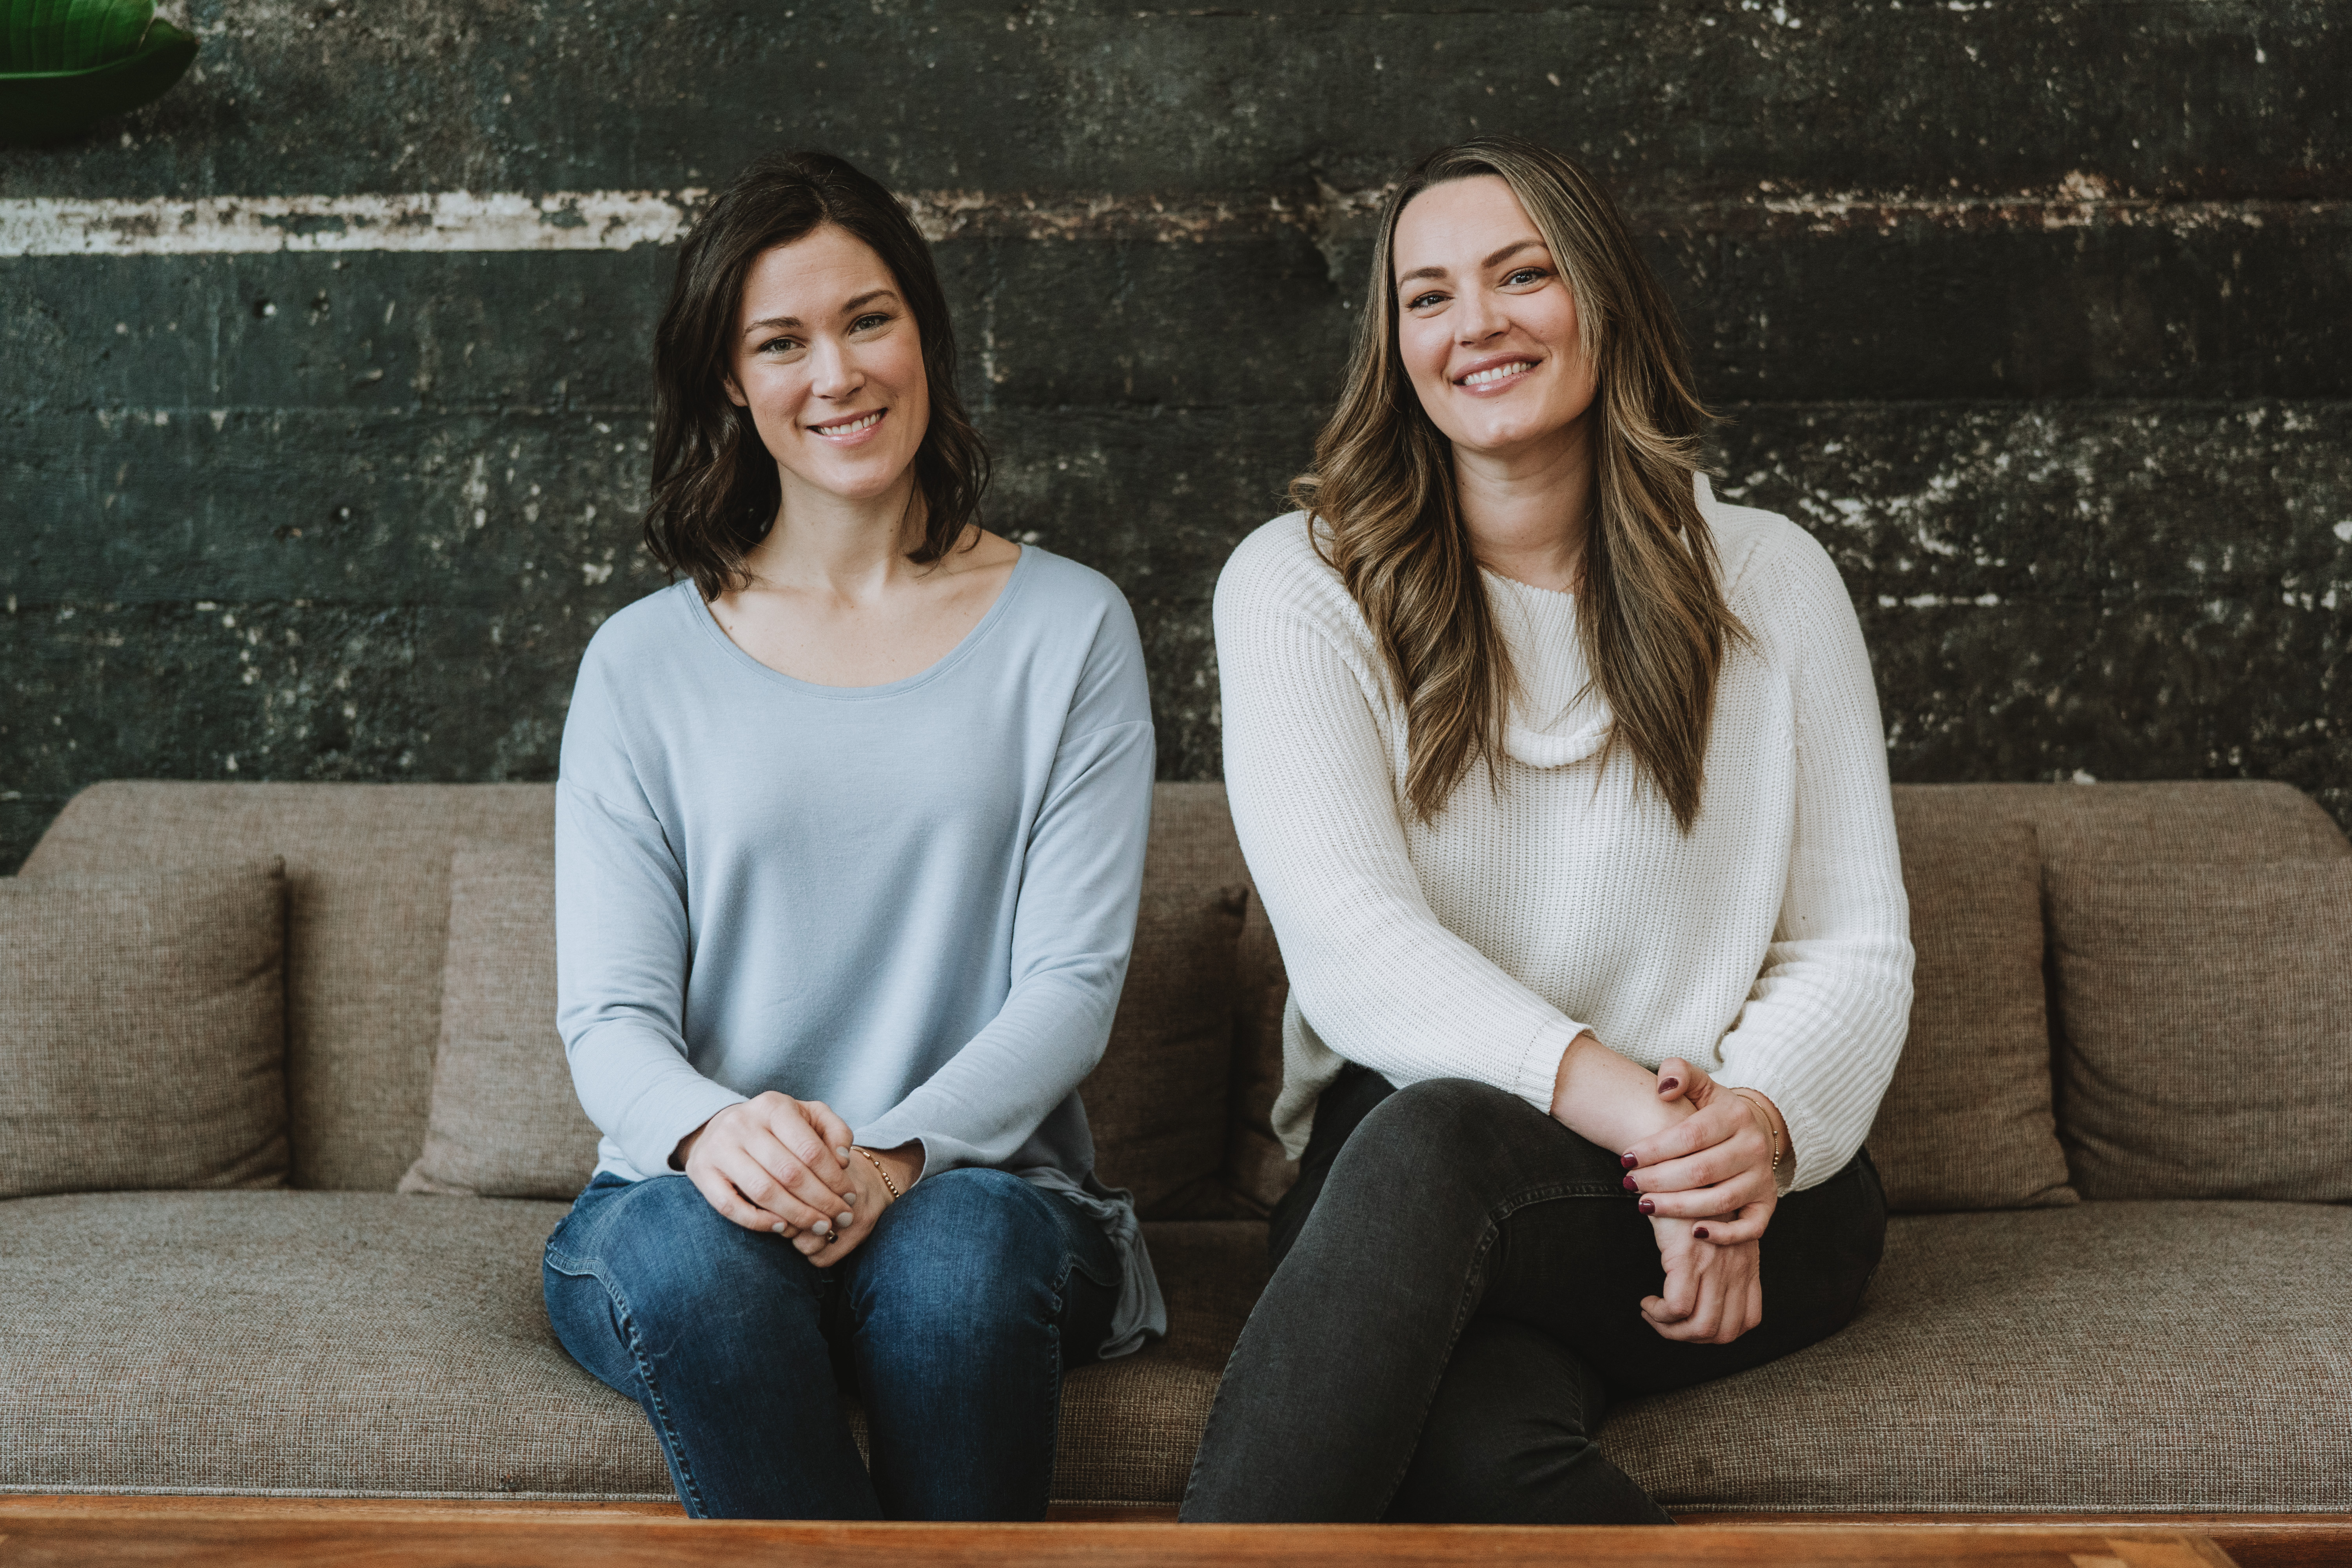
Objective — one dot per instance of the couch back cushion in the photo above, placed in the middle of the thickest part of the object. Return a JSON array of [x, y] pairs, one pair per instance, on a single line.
[[1981, 1032], [2084, 829], [143, 1036], [1157, 1103], [2207, 1013], [505, 1120], [1966, 1122], [1258, 1171], [368, 900], [369, 908], [367, 880], [2200, 820]]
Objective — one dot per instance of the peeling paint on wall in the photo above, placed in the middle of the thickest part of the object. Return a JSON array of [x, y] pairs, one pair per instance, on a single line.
[[459, 221], [420, 221]]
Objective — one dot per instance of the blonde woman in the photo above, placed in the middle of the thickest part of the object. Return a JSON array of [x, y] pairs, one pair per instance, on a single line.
[[1565, 788]]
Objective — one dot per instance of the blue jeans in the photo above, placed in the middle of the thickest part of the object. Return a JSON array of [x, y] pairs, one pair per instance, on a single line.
[[953, 1323]]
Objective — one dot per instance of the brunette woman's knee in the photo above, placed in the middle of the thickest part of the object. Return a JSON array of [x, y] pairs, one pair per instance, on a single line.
[[972, 1261], [679, 1263]]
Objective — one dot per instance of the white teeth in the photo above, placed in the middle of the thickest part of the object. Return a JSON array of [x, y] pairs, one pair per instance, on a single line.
[[1487, 377], [853, 427]]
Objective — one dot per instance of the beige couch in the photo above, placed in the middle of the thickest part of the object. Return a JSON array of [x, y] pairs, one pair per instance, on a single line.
[[333, 1335]]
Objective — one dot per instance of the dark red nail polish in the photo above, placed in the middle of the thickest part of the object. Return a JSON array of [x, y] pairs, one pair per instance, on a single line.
[[1699, 1231], [1666, 1083], [1632, 1186], [1628, 1162], [1648, 1205]]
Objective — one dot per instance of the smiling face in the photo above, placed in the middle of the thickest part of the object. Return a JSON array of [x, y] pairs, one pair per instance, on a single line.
[[827, 358], [1485, 322]]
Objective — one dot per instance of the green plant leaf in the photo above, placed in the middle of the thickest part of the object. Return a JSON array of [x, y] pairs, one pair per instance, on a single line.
[[104, 31], [44, 36], [43, 105]]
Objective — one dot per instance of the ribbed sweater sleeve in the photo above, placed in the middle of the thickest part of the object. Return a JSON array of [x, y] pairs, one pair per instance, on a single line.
[[1309, 777], [1831, 1007]]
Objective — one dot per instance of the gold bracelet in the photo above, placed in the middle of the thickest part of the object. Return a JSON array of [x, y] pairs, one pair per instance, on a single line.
[[882, 1171], [1771, 1134]]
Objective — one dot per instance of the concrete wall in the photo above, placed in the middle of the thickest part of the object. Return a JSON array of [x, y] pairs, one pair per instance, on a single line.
[[2035, 313]]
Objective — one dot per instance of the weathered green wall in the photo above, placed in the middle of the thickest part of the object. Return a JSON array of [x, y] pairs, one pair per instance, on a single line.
[[2036, 313]]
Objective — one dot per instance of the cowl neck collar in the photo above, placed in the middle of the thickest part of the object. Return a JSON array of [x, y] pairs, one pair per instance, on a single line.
[[1542, 625]]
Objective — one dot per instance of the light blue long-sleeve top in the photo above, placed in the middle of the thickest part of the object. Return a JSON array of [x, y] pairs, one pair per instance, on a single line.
[[912, 901]]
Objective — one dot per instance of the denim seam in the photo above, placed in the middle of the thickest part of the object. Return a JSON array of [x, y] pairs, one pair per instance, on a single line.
[[583, 1269], [1071, 1213], [1055, 1371], [1532, 1195]]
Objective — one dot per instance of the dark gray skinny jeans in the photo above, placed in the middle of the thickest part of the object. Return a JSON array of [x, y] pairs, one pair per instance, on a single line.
[[1456, 1296]]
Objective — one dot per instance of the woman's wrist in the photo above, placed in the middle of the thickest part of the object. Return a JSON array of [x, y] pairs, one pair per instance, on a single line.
[[1769, 1122], [683, 1149], [1607, 1098], [899, 1168]]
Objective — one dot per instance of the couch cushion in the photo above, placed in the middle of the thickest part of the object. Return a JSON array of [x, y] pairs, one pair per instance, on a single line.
[[143, 1030], [1966, 1122], [505, 1123], [1157, 1102], [316, 1342], [2208, 1045], [361, 1344], [367, 869], [2109, 1356]]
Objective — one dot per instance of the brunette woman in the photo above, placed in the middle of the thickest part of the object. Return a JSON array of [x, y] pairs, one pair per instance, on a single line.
[[1565, 789], [849, 838]]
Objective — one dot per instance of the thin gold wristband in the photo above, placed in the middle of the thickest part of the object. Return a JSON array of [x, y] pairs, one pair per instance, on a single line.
[[1771, 1133], [883, 1172]]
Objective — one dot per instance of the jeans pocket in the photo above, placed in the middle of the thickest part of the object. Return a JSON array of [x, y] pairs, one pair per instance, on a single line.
[[565, 1264], [571, 1245], [1106, 1277], [1085, 1243]]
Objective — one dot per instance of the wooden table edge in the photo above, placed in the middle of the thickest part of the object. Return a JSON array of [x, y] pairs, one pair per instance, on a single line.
[[2220, 1540]]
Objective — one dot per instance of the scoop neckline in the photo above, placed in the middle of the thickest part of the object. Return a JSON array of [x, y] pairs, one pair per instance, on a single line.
[[700, 608]]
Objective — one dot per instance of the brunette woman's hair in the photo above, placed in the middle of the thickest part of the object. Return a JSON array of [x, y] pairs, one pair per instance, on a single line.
[[715, 491], [1649, 612]]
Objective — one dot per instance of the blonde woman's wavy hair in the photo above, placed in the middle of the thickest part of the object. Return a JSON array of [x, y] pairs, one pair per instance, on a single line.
[[1650, 610]]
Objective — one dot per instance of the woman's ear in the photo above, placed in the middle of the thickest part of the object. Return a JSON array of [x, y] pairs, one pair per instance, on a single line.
[[734, 393]]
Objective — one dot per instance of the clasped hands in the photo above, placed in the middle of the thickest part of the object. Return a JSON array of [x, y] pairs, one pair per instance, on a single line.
[[1707, 1184], [787, 1166]]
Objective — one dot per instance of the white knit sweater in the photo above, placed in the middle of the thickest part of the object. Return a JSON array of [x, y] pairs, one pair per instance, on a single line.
[[1770, 944]]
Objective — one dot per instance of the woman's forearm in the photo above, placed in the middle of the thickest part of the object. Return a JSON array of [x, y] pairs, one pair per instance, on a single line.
[[1607, 1099]]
